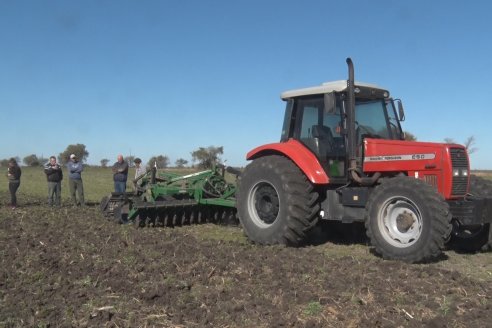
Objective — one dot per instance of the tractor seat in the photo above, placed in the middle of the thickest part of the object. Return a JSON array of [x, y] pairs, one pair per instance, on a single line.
[[323, 138], [322, 132]]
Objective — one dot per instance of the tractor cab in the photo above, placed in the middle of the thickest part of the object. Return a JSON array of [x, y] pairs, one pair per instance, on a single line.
[[318, 118]]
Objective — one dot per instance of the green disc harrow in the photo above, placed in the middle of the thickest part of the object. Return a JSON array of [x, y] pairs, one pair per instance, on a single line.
[[170, 199]]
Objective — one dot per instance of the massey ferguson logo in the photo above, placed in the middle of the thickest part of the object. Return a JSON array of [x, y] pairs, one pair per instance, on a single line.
[[392, 158]]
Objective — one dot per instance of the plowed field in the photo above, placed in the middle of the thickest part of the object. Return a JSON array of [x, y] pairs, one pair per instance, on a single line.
[[71, 267]]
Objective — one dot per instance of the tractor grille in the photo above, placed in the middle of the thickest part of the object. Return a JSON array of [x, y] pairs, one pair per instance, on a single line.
[[459, 160], [431, 179], [459, 185]]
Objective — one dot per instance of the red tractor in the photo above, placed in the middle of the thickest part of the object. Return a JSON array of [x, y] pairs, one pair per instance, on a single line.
[[343, 157]]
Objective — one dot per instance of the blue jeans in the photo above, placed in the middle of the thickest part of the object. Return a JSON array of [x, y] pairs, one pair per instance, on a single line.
[[119, 186]]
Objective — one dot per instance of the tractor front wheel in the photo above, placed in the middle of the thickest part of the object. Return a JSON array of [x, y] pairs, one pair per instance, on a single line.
[[407, 220], [275, 201]]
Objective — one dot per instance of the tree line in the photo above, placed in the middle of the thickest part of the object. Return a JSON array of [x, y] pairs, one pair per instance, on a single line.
[[203, 157]]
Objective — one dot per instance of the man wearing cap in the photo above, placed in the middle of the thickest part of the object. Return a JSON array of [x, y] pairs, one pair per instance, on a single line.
[[139, 170], [75, 184]]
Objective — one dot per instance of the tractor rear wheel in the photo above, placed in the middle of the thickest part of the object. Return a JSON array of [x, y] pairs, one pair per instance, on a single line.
[[476, 238], [276, 203], [407, 220]]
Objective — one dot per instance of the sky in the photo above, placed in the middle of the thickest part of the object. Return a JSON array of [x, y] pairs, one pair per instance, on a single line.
[[146, 78]]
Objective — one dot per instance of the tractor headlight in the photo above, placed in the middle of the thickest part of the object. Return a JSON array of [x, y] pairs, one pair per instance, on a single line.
[[460, 172]]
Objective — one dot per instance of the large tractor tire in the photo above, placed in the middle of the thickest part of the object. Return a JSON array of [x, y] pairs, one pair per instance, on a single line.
[[407, 220], [276, 203], [476, 238]]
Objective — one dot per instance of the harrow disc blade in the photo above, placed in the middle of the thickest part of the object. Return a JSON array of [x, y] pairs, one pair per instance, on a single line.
[[196, 214]]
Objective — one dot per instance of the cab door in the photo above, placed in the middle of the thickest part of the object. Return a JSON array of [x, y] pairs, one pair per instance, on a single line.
[[319, 130]]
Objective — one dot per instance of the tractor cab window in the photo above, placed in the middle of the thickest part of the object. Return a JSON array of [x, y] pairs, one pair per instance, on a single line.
[[376, 119], [370, 120], [394, 123], [319, 130], [288, 120]]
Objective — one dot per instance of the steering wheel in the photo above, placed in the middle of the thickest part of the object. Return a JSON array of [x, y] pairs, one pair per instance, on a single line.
[[363, 128]]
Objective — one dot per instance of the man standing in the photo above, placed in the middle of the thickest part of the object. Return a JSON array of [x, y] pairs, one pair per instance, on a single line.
[[54, 176], [139, 170], [75, 184], [120, 174], [13, 174]]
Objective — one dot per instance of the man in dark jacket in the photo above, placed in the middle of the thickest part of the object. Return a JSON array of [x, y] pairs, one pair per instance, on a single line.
[[75, 168], [54, 176], [120, 174], [13, 174]]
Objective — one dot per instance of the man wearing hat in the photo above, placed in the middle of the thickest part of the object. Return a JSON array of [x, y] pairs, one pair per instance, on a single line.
[[139, 170], [75, 169]]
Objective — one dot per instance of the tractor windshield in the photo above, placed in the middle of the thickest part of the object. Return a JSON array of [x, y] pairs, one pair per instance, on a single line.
[[376, 119]]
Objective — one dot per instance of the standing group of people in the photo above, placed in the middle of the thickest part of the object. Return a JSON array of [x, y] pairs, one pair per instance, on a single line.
[[54, 175]]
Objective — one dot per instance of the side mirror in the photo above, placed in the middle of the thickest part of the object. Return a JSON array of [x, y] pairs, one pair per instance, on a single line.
[[401, 112], [330, 103]]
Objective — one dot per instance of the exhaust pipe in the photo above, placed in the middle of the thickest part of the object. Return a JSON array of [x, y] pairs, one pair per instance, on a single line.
[[356, 174], [351, 116]]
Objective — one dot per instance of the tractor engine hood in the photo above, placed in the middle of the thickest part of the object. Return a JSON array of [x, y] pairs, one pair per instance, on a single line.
[[444, 165]]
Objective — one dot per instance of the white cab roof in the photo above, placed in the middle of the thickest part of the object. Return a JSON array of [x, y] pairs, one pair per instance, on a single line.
[[326, 87]]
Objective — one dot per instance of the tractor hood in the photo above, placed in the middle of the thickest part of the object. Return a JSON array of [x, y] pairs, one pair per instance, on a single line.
[[397, 155], [445, 166]]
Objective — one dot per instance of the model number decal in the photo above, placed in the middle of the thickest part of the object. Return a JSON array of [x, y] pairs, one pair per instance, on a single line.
[[419, 156], [409, 157]]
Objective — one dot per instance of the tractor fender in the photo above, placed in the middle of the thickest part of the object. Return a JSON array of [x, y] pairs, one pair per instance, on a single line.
[[296, 152]]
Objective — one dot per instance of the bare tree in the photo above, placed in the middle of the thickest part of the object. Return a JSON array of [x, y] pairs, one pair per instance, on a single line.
[[469, 143]]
